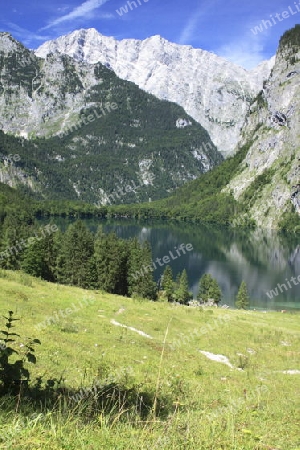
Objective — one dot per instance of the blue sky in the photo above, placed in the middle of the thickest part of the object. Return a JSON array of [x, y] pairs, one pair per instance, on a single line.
[[220, 26]]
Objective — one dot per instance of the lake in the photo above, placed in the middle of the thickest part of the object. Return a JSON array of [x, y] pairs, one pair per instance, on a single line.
[[262, 258]]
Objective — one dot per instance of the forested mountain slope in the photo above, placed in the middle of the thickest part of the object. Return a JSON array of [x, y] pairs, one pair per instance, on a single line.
[[261, 183], [82, 133]]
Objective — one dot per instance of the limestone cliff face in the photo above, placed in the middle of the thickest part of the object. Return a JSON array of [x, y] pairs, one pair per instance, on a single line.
[[102, 132], [40, 97], [14, 176], [295, 198], [215, 92], [272, 132]]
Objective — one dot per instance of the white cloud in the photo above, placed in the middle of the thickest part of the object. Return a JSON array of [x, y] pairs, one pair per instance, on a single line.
[[26, 35], [189, 28], [82, 11], [247, 51]]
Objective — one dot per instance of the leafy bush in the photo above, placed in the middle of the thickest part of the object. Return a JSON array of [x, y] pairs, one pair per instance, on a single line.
[[13, 372]]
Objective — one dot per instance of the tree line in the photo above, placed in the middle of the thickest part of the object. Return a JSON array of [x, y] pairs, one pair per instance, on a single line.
[[89, 260], [80, 258], [209, 290]]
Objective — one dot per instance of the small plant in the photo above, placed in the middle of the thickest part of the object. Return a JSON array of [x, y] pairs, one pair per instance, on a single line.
[[243, 361], [13, 372], [25, 280]]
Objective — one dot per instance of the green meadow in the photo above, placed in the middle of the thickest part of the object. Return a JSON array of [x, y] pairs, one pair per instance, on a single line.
[[195, 400]]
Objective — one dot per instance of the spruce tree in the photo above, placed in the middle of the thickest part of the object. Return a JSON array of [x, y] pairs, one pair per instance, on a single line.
[[15, 228], [167, 283], [39, 258], [215, 291], [182, 294], [204, 286], [77, 248], [209, 289], [140, 271], [91, 276], [147, 285], [135, 266], [242, 298], [33, 261], [111, 258]]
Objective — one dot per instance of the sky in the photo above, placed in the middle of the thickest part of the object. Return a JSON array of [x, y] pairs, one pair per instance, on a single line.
[[224, 27]]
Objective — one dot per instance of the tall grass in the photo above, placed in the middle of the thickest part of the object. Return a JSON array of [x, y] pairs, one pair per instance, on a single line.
[[152, 394]]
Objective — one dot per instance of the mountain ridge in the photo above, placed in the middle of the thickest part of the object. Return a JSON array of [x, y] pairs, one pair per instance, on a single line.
[[82, 131], [260, 185], [212, 90]]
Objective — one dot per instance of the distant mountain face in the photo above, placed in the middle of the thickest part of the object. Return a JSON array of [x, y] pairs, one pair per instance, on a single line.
[[107, 141], [215, 92], [261, 183], [104, 133], [269, 178]]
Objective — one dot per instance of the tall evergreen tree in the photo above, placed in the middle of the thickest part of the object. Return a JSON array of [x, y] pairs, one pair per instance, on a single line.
[[140, 268], [111, 258], [242, 298], [167, 284], [91, 274], [182, 294], [209, 289], [16, 228], [77, 248], [39, 259]]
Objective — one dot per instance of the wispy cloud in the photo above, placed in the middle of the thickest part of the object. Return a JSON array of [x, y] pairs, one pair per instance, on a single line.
[[247, 51], [24, 34], [190, 27], [82, 11], [189, 30]]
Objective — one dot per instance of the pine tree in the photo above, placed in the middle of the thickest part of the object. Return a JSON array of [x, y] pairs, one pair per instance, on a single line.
[[91, 276], [140, 271], [209, 289], [215, 291], [111, 258], [242, 298], [77, 248], [182, 294], [39, 259], [33, 261], [167, 283], [15, 228]]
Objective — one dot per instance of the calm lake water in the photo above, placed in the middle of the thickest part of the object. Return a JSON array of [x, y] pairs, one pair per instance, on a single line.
[[262, 258]]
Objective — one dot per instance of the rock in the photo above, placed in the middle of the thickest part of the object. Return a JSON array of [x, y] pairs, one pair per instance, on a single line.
[[295, 197], [279, 118], [215, 92]]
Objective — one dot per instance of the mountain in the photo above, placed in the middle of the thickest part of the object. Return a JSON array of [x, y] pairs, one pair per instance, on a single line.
[[268, 182], [260, 184], [81, 133], [143, 139], [215, 92]]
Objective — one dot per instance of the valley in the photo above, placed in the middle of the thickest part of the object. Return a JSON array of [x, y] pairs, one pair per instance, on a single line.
[[149, 238]]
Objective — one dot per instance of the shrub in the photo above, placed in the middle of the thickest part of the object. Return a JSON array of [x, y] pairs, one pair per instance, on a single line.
[[13, 372]]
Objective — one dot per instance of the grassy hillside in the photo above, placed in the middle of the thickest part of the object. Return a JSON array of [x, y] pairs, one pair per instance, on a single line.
[[204, 404]]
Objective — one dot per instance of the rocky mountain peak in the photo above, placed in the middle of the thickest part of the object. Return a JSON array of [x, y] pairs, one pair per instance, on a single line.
[[212, 90], [271, 133], [8, 44]]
